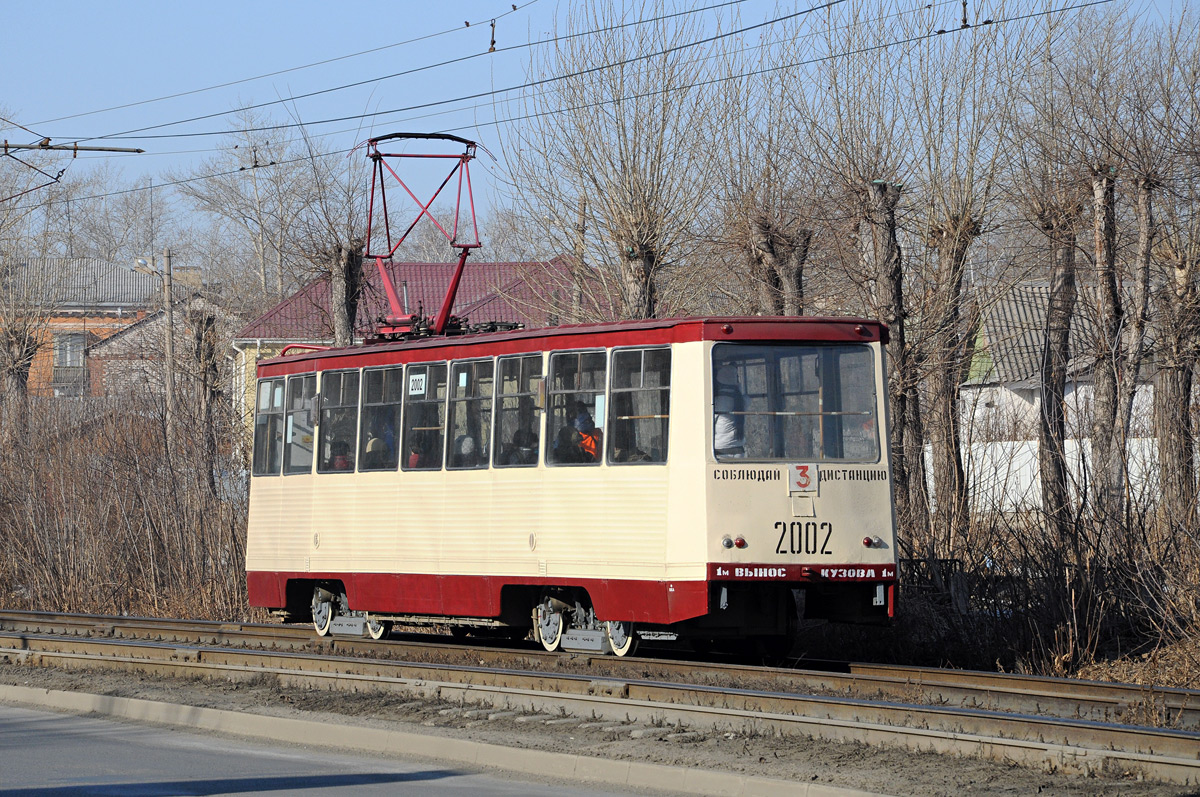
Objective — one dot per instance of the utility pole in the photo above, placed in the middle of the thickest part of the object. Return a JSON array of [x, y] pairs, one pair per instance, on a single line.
[[169, 309], [143, 266]]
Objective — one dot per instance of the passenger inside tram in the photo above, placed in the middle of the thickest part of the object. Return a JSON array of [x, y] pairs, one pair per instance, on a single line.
[[523, 450], [729, 414], [568, 447], [340, 459], [589, 435]]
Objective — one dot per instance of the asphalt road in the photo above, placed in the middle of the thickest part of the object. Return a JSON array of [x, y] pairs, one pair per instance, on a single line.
[[46, 754]]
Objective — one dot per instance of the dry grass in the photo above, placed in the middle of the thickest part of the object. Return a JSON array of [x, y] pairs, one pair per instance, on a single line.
[[96, 517]]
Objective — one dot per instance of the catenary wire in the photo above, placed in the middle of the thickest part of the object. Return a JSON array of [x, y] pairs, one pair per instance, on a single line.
[[765, 70], [403, 73], [289, 70], [475, 106]]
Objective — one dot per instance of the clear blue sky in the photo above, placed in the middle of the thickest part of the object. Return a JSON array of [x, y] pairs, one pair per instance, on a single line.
[[72, 57]]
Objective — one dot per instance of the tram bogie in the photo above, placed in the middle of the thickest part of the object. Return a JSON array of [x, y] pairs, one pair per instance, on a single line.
[[590, 486]]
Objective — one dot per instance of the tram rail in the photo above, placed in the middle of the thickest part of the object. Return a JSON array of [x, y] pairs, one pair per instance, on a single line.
[[913, 708], [1009, 692]]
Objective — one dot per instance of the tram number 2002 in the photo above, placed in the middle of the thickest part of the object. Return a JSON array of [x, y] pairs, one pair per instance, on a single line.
[[803, 537]]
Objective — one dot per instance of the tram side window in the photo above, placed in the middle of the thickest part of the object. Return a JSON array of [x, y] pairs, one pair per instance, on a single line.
[[470, 429], [268, 428], [641, 405], [300, 425], [339, 421], [424, 417], [517, 419], [576, 398], [379, 437]]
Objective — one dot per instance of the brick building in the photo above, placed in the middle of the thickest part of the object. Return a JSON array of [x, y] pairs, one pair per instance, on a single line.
[[77, 302]]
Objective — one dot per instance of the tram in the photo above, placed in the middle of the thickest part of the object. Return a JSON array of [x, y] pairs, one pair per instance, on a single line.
[[594, 485], [450, 481]]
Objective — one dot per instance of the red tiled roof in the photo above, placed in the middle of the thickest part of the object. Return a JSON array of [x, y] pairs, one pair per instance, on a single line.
[[487, 292]]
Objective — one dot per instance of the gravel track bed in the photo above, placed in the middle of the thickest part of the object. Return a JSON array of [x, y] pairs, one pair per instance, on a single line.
[[805, 760]]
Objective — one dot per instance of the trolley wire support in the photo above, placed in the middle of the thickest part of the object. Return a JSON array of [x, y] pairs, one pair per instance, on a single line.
[[399, 322]]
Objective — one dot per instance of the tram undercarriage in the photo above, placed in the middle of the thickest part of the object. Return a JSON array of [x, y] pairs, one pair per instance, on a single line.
[[742, 616]]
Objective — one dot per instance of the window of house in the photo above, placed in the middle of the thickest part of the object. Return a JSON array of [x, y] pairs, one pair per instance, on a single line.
[[268, 428], [469, 432], [379, 438], [70, 370], [300, 431], [339, 421], [424, 417], [640, 406], [518, 421], [576, 403], [69, 348]]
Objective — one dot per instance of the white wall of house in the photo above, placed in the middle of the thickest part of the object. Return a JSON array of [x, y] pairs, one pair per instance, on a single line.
[[1003, 475], [1001, 412]]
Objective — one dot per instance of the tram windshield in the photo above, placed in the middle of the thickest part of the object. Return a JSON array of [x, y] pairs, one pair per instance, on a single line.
[[794, 402]]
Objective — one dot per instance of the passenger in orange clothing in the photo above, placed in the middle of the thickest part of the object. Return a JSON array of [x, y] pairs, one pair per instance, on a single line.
[[590, 436], [568, 448]]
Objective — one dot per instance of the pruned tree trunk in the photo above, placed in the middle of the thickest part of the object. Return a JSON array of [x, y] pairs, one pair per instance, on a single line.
[[14, 409], [778, 258], [791, 273], [948, 362], [206, 353], [1137, 320], [881, 256], [639, 289], [18, 352], [345, 288], [579, 265], [1108, 445], [1177, 356], [1052, 461]]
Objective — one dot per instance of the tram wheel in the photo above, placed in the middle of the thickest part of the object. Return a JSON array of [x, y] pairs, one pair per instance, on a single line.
[[322, 613], [378, 629], [550, 627], [622, 639]]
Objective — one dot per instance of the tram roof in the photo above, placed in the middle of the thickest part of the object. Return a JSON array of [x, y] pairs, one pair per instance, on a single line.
[[583, 336]]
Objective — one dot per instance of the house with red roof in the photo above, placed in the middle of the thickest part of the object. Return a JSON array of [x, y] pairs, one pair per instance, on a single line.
[[505, 292]]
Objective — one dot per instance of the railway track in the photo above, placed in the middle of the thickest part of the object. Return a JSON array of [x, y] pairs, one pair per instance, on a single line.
[[1064, 724]]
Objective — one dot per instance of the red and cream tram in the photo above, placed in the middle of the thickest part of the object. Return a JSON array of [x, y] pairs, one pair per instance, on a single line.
[[593, 484]]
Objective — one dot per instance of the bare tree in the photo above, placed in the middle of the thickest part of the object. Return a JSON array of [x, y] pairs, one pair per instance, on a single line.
[[329, 234], [862, 145], [27, 294], [1051, 190], [764, 190], [1178, 251], [27, 301], [615, 152], [958, 128], [1178, 351], [262, 188], [1117, 109]]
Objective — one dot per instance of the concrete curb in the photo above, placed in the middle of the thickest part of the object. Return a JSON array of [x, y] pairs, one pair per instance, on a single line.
[[596, 771]]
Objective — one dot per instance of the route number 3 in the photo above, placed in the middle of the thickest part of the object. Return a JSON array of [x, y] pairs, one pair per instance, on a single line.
[[803, 478]]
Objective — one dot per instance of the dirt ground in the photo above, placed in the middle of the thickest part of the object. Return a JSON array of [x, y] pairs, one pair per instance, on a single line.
[[847, 765]]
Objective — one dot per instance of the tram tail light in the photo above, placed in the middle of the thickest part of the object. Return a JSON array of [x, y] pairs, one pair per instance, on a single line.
[[740, 542], [872, 542], [726, 542]]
